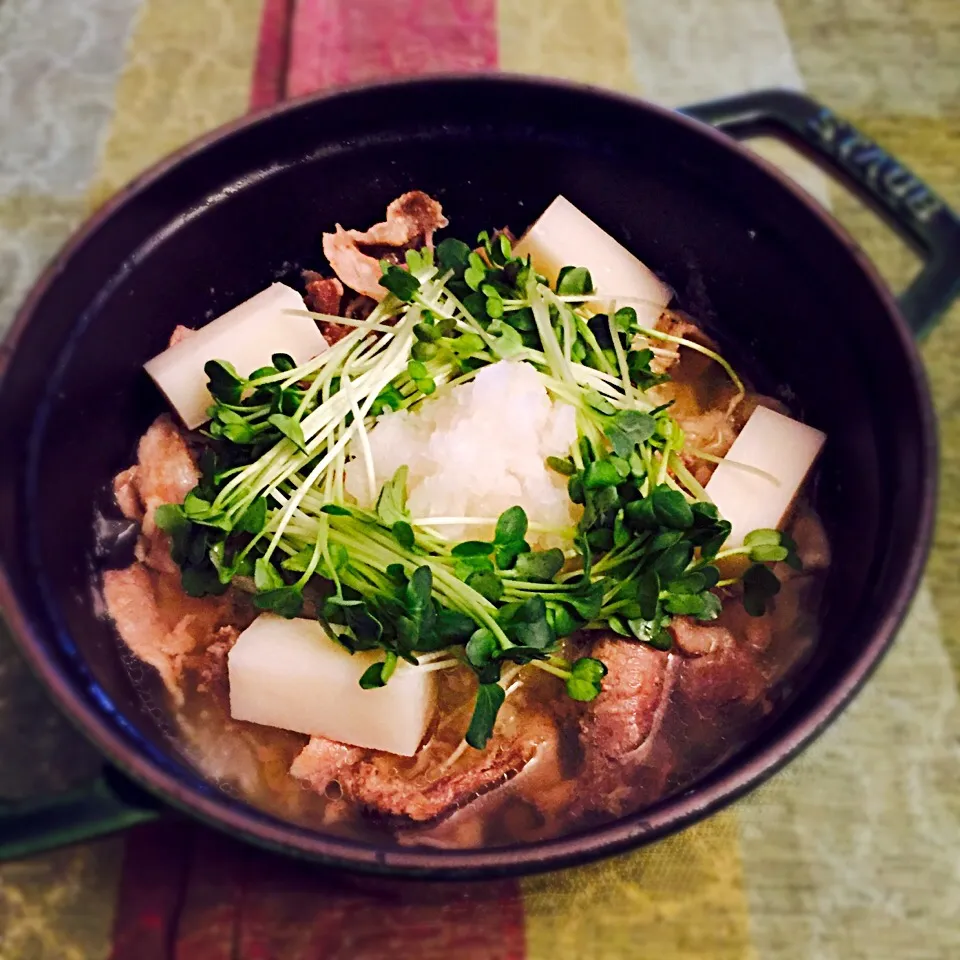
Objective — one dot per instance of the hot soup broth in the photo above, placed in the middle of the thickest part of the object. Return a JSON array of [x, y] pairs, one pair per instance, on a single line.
[[507, 551]]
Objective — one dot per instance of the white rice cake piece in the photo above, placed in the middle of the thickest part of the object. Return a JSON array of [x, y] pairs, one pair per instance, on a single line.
[[290, 674], [566, 237], [780, 446], [246, 336]]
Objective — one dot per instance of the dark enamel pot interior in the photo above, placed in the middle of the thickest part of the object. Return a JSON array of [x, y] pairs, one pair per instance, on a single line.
[[786, 292]]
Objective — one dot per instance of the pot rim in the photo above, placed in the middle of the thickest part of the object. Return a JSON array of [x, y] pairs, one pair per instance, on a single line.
[[704, 798]]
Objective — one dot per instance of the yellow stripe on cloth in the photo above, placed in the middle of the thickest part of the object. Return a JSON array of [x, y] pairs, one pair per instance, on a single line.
[[567, 38], [189, 66], [681, 899]]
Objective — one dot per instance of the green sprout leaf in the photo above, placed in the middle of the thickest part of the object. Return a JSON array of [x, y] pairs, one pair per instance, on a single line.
[[585, 679], [402, 284], [573, 281], [562, 465], [392, 502], [223, 381], [540, 566], [285, 601], [487, 584], [254, 518], [511, 526], [453, 254], [490, 697], [403, 533], [472, 548], [760, 586], [290, 428]]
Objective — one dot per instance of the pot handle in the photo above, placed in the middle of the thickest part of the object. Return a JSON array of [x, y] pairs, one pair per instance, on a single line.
[[899, 196], [108, 804]]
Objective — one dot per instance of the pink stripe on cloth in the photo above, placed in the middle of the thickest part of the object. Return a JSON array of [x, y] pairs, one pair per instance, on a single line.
[[273, 48], [336, 42]]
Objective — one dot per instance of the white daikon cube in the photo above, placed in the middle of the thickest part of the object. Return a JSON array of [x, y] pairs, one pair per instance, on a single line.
[[246, 336], [780, 446], [566, 237], [290, 674]]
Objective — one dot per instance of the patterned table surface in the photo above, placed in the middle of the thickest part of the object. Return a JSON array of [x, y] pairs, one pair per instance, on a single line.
[[854, 851]]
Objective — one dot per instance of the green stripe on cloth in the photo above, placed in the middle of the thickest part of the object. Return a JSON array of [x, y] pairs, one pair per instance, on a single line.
[[931, 146], [686, 50], [851, 852], [58, 69], [878, 56], [680, 899], [59, 64], [567, 38], [188, 69]]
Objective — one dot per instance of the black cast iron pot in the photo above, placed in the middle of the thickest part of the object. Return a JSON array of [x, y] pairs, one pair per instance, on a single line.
[[788, 292]]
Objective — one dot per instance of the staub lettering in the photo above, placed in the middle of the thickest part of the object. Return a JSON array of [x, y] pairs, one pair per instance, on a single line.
[[873, 166]]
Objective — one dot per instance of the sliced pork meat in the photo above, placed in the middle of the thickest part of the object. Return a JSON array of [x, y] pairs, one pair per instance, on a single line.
[[423, 789], [210, 666], [160, 624], [165, 471], [540, 793], [355, 255], [722, 669], [667, 354], [376, 785], [619, 729], [813, 547], [126, 492], [180, 332], [323, 761], [324, 295]]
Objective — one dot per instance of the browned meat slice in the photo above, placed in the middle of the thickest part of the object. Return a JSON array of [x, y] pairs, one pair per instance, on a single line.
[[376, 785], [355, 255], [422, 788], [667, 354], [160, 624], [130, 599], [539, 795], [210, 666], [813, 547], [322, 761], [723, 665], [127, 494], [324, 295], [712, 431], [698, 639], [619, 729], [166, 472], [180, 332]]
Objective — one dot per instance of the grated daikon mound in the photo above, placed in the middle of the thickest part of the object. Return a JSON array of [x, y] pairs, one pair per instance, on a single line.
[[475, 450]]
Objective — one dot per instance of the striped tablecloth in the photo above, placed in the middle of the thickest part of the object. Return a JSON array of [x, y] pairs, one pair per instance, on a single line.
[[854, 851]]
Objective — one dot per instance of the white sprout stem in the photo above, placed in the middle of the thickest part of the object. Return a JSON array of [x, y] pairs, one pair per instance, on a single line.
[[342, 321], [480, 521], [364, 439], [749, 468], [341, 443], [438, 665], [688, 479], [699, 348], [541, 315], [460, 750], [621, 355], [435, 655]]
